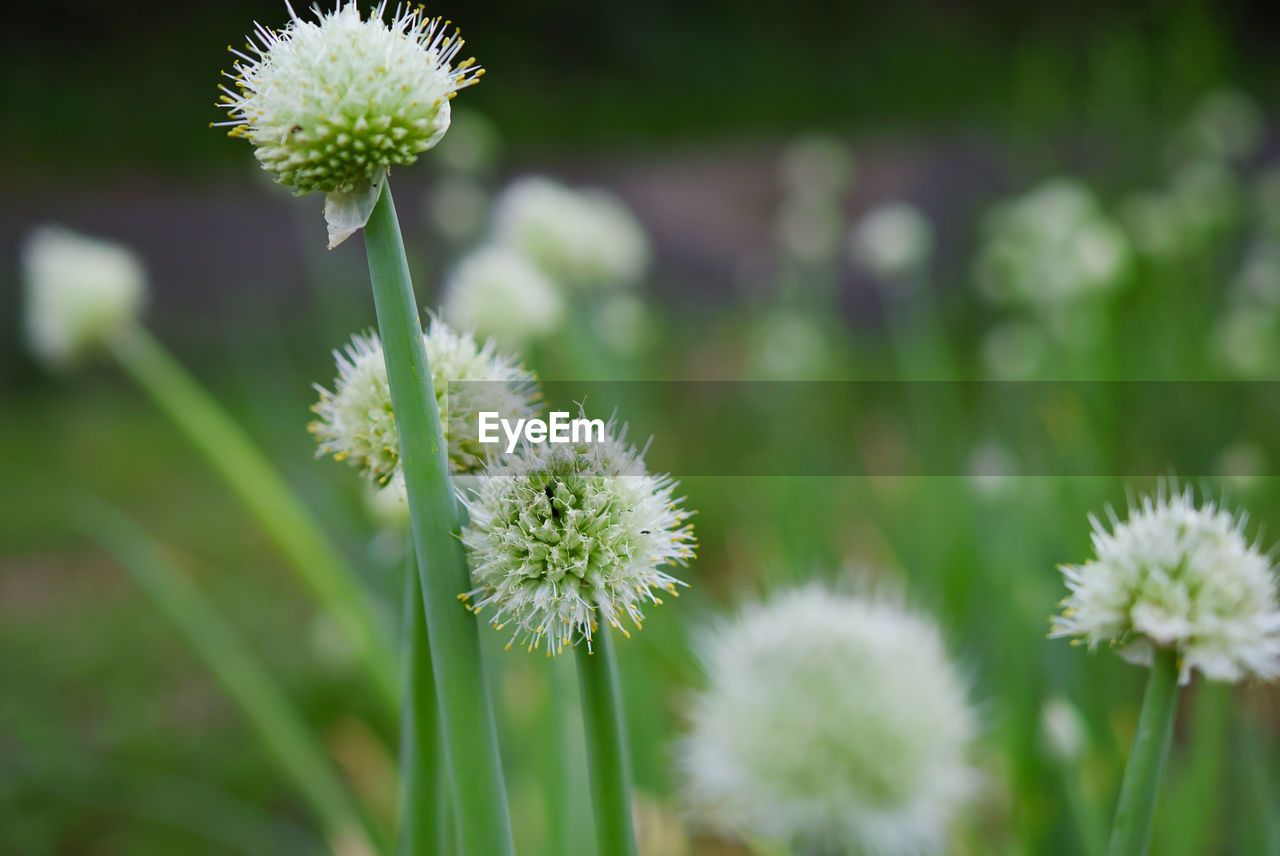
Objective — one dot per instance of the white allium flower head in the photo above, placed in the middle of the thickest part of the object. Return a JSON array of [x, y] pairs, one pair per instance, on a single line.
[[834, 723], [1177, 575], [356, 422], [564, 537], [498, 292], [79, 291], [329, 103], [892, 241], [580, 238], [1051, 246]]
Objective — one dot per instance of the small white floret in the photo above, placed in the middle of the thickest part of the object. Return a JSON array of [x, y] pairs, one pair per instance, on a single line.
[[79, 292]]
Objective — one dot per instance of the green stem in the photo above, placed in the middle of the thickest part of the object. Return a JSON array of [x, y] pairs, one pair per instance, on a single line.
[[420, 791], [236, 666], [607, 758], [1132, 830], [249, 474], [466, 717]]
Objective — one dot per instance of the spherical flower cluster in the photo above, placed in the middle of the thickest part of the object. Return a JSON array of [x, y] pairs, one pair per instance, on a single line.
[[497, 292], [580, 238], [356, 422], [1053, 245], [1174, 575], [79, 291], [566, 536], [327, 104], [836, 724], [892, 241]]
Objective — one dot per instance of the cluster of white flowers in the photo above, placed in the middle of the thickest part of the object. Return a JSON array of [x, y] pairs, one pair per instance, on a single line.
[[1051, 246], [579, 238], [833, 723], [356, 421], [564, 537], [1177, 575], [328, 104], [499, 293], [79, 292], [892, 241], [548, 244]]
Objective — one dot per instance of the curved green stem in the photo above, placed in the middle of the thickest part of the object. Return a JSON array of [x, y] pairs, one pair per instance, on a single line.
[[245, 678], [466, 717], [607, 758], [253, 479], [1132, 830]]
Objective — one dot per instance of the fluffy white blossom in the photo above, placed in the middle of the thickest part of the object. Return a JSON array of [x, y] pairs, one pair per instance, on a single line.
[[356, 422], [79, 291], [498, 292], [580, 238], [1174, 575], [1051, 246], [892, 241], [566, 536], [833, 723], [817, 166], [329, 103]]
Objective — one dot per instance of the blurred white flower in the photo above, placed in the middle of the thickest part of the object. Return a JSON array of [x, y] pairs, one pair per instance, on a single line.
[[1244, 341], [1225, 124], [356, 422], [991, 467], [1051, 246], [625, 323], [499, 293], [1209, 196], [79, 292], [566, 536], [787, 345], [1014, 350], [329, 104], [836, 724], [817, 166], [892, 241], [1155, 224], [472, 145], [1174, 575], [1063, 731], [810, 229], [457, 206], [580, 238]]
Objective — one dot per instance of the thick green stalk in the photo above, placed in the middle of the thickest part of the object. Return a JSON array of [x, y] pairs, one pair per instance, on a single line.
[[608, 761], [246, 679], [420, 775], [264, 492], [1132, 830], [466, 717]]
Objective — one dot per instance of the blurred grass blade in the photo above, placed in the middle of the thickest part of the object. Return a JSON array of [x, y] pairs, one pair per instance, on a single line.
[[421, 796], [246, 679], [1132, 830], [264, 492], [467, 724], [607, 757]]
